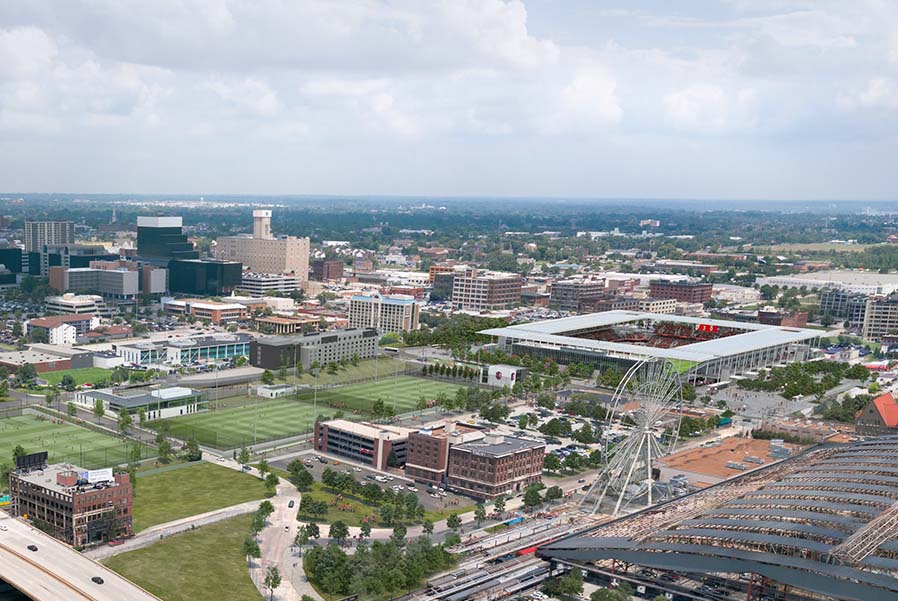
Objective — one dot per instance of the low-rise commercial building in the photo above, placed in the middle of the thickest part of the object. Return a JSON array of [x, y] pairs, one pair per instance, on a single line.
[[609, 302], [879, 416], [77, 304], [117, 284], [661, 306], [260, 284], [271, 352], [370, 444], [213, 311], [185, 351], [427, 457], [276, 324], [69, 256], [74, 505], [844, 305], [495, 466], [156, 404], [683, 291], [384, 313]]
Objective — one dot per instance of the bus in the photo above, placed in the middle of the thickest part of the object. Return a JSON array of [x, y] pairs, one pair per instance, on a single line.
[[391, 350]]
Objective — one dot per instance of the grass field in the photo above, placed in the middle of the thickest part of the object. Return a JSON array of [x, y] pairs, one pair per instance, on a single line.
[[203, 565], [270, 420], [360, 508], [167, 496], [370, 368], [84, 375], [64, 442]]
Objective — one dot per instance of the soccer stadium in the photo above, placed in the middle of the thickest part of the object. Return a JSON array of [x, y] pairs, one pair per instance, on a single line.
[[820, 525], [708, 350]]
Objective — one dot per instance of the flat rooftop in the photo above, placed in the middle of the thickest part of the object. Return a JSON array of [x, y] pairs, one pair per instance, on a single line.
[[712, 460], [375, 431], [46, 478], [497, 446], [554, 332], [847, 276]]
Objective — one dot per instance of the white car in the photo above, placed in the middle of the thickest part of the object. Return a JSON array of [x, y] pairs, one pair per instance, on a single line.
[[390, 478], [356, 469], [3, 528], [434, 495], [412, 488]]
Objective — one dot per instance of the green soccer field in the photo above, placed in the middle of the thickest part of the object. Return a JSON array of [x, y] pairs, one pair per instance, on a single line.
[[65, 443], [270, 420]]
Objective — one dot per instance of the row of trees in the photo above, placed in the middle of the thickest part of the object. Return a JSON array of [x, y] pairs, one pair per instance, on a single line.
[[251, 549], [800, 379], [453, 370]]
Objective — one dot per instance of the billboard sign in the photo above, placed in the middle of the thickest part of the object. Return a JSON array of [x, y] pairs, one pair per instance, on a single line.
[[31, 461], [103, 475]]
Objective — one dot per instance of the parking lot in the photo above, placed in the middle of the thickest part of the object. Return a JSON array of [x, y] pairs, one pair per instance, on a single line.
[[432, 500]]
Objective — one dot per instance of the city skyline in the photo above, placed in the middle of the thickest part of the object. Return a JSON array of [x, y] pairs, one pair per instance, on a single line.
[[586, 100]]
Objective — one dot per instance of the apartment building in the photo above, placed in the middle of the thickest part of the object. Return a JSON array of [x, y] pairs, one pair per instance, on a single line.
[[62, 330], [486, 290], [42, 233], [397, 313], [683, 291], [262, 252], [495, 465], [881, 317], [79, 507]]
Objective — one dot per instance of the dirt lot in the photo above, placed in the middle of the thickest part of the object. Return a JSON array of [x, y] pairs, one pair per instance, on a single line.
[[711, 461]]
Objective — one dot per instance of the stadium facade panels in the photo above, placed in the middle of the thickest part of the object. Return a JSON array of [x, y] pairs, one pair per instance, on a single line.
[[709, 349], [825, 521]]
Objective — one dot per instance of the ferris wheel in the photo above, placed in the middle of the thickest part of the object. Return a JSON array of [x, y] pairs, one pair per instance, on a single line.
[[649, 400]]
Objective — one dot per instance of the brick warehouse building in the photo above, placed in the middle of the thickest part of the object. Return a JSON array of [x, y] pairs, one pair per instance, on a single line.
[[74, 505], [427, 458], [682, 291], [495, 465]]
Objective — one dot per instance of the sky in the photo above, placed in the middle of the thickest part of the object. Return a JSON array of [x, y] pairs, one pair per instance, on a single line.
[[701, 99]]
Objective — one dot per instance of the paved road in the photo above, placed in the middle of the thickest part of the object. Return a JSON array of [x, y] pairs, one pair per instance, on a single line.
[[56, 571], [276, 545]]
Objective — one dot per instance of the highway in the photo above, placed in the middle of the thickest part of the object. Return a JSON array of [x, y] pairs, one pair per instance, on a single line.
[[56, 571]]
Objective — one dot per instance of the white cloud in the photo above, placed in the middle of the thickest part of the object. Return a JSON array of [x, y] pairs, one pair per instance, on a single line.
[[249, 93], [708, 108], [588, 101], [879, 93]]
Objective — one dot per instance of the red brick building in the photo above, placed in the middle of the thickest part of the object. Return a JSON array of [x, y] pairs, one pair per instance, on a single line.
[[495, 465], [326, 269], [427, 458], [682, 291], [76, 506]]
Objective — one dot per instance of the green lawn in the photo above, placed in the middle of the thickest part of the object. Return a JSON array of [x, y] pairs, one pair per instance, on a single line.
[[84, 375], [64, 442], [262, 420], [370, 368], [163, 497], [360, 508], [401, 393], [202, 565]]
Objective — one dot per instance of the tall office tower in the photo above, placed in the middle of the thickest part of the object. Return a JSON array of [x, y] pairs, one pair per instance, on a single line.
[[262, 252], [48, 233], [262, 224], [162, 238]]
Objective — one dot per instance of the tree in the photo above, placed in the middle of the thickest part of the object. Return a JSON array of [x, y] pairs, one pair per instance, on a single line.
[[267, 377], [71, 408], [428, 527], [282, 373], [339, 531], [301, 539], [243, 456], [479, 514], [523, 422], [532, 498], [313, 530], [26, 373], [17, 329], [553, 493], [365, 530], [262, 467], [499, 504], [99, 410], [193, 450], [392, 459], [271, 482], [18, 452], [272, 580], [454, 522], [124, 419], [398, 535], [551, 463], [251, 549], [142, 416], [584, 434], [571, 584], [68, 382]]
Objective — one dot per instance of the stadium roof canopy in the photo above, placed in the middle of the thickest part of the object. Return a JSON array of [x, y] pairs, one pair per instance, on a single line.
[[562, 333], [817, 521]]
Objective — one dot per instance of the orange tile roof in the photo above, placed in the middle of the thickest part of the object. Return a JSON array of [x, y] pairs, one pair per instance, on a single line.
[[54, 320], [888, 409]]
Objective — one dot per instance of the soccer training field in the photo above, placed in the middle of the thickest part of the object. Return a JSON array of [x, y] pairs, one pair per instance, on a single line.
[[270, 420], [64, 442]]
